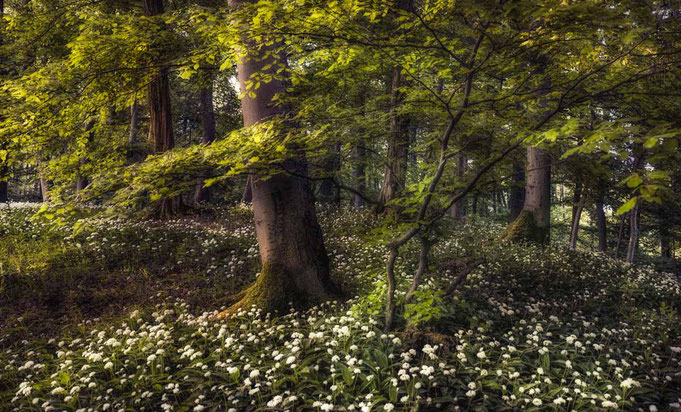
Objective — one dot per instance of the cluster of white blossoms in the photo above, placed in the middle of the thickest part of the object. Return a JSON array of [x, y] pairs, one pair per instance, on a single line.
[[517, 335]]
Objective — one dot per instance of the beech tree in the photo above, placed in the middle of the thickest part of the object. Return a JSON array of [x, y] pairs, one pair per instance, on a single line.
[[295, 266]]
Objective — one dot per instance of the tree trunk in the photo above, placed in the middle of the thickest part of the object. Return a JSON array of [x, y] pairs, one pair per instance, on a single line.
[[576, 218], [160, 119], [458, 209], [132, 137], [329, 192], [295, 266], [517, 195], [247, 197], [44, 191], [395, 176], [533, 222], [202, 194], [4, 198], [4, 168], [633, 234], [359, 173], [665, 241], [576, 198], [620, 236], [601, 224]]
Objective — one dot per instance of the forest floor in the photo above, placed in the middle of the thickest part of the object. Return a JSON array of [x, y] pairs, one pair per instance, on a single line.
[[116, 315]]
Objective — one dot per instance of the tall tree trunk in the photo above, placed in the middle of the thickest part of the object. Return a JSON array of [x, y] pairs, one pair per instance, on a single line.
[[633, 233], [576, 218], [395, 177], [620, 235], [4, 168], [329, 192], [601, 223], [459, 208], [4, 198], [576, 198], [132, 136], [517, 195], [44, 190], [160, 119], [202, 194], [533, 222], [359, 173], [81, 180], [247, 197], [295, 266], [665, 240]]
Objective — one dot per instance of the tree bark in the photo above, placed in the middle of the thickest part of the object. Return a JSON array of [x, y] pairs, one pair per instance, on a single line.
[[601, 223], [160, 118], [201, 193], [620, 236], [665, 241], [329, 193], [295, 266], [576, 198], [359, 173], [132, 137], [576, 217], [533, 222], [517, 194], [633, 233], [4, 198], [458, 211], [395, 176], [247, 197]]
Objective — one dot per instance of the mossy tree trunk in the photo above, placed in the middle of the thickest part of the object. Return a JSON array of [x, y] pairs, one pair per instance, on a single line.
[[295, 266], [533, 222]]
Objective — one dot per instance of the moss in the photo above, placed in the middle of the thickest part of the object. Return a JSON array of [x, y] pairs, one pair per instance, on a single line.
[[524, 229], [270, 292]]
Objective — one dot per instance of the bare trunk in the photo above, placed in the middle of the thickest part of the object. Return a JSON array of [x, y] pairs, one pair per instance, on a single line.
[[517, 195], [620, 236], [132, 137], [576, 197], [359, 173], [533, 223], [633, 234], [665, 241], [398, 145], [4, 198], [295, 266], [601, 224], [160, 119], [576, 220], [247, 197], [202, 194], [459, 209], [328, 191], [44, 190]]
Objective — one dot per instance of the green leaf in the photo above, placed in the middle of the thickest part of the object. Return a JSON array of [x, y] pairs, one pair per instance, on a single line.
[[627, 206]]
